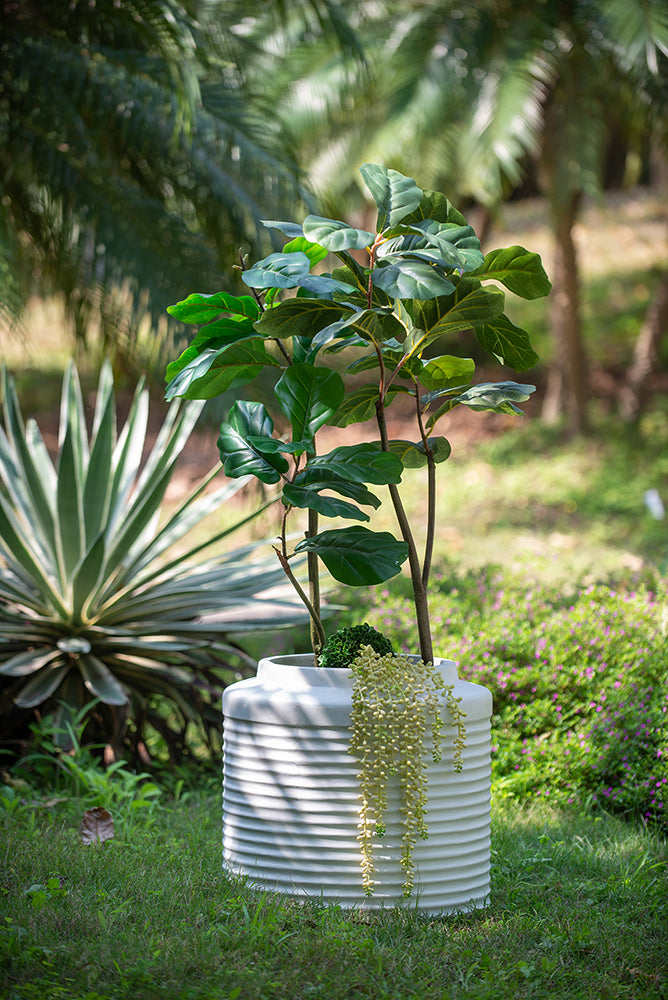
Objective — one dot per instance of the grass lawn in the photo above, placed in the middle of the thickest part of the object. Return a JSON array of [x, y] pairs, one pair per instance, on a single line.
[[579, 909]]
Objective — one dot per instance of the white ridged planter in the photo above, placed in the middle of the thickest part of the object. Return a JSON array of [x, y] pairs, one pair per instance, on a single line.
[[291, 796]]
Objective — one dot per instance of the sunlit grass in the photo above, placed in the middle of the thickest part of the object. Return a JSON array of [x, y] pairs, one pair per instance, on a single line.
[[578, 909]]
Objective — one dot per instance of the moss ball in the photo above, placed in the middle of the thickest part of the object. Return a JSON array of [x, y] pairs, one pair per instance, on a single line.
[[343, 646]]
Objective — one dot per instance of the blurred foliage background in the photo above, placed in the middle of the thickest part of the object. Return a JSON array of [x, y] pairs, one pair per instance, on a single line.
[[141, 142]]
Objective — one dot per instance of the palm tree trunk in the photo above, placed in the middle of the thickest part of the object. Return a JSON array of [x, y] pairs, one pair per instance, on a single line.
[[632, 396], [567, 381]]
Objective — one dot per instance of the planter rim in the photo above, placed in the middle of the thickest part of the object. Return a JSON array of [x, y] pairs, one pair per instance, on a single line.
[[297, 668]]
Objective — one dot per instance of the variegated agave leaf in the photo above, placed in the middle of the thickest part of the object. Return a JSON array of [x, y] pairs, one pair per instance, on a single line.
[[92, 605]]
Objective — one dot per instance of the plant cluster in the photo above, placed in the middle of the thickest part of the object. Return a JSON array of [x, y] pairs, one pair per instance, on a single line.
[[342, 647], [398, 294], [95, 606], [396, 726], [579, 681], [77, 774]]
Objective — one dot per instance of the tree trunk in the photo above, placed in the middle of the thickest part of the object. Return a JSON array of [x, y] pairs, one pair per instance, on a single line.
[[633, 396], [567, 381]]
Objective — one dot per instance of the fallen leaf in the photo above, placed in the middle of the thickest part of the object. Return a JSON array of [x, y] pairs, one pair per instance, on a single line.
[[97, 826]]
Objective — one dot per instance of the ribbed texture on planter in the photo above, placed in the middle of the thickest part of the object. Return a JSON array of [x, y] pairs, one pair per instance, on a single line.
[[291, 796]]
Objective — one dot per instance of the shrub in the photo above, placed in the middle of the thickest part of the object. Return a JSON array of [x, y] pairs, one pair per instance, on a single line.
[[579, 681]]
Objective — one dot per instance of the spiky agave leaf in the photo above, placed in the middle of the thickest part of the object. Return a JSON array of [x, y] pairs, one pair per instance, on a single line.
[[91, 604]]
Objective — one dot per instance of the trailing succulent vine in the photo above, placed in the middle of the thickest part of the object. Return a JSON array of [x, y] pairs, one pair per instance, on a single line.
[[396, 727]]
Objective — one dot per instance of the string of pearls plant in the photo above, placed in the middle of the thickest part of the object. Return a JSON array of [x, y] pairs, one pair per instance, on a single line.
[[396, 703]]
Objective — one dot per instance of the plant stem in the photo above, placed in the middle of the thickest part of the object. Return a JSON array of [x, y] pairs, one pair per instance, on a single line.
[[431, 518], [419, 588], [318, 637], [317, 633], [431, 493], [418, 577]]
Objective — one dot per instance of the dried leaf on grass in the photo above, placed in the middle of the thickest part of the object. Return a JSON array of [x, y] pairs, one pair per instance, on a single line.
[[97, 826]]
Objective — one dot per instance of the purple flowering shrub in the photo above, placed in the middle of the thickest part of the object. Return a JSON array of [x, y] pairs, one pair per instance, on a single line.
[[579, 681]]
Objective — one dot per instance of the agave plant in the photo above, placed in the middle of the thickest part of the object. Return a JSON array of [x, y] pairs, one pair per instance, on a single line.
[[95, 607]]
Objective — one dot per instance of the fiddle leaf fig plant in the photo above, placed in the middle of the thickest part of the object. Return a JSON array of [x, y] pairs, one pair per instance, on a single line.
[[393, 300]]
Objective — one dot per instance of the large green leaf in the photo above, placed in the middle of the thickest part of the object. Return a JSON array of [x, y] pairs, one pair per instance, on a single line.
[[127, 457], [413, 455], [359, 405], [336, 236], [44, 684], [518, 269], [358, 463], [292, 230], [500, 397], [239, 456], [336, 484], [309, 397], [356, 556], [378, 324], [27, 663], [270, 446], [434, 205], [395, 195], [508, 343], [99, 681], [222, 332], [278, 270], [447, 371], [325, 286], [312, 497], [306, 492], [411, 279], [27, 472], [73, 419], [299, 317], [313, 251], [470, 306], [86, 578], [97, 487], [457, 245], [105, 392], [24, 561], [215, 371], [198, 309], [292, 270]]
